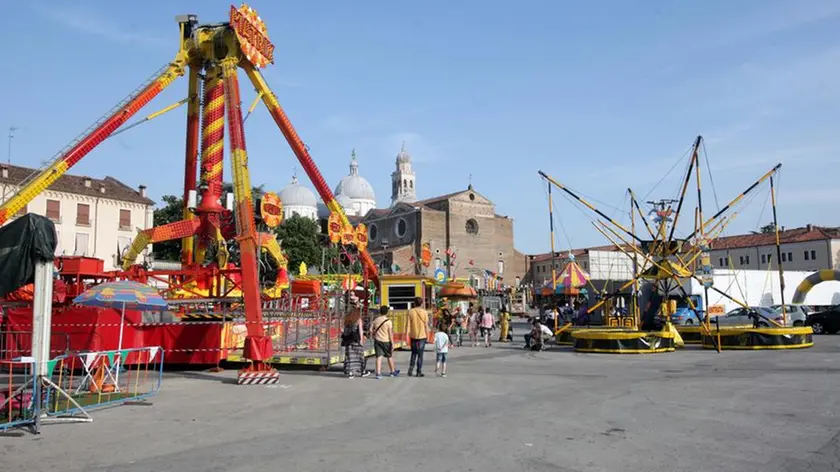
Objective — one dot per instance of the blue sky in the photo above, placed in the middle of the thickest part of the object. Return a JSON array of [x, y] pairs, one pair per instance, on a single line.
[[601, 95]]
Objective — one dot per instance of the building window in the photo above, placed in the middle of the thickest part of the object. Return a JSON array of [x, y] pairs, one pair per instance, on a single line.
[[585, 265], [764, 258], [806, 256], [83, 214], [747, 258], [54, 210], [741, 260], [401, 228], [401, 297], [472, 226], [790, 257], [501, 267], [813, 255], [81, 244], [125, 219], [784, 257], [721, 262], [373, 232]]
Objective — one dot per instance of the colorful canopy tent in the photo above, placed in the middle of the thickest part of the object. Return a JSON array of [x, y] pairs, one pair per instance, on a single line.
[[568, 281]]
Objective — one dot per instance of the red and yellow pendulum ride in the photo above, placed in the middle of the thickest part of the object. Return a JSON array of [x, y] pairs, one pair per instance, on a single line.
[[212, 54]]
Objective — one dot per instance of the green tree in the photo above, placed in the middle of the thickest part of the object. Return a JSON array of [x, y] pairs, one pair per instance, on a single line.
[[768, 228], [300, 241], [172, 211]]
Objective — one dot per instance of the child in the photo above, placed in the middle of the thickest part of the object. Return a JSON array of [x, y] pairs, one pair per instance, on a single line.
[[441, 349]]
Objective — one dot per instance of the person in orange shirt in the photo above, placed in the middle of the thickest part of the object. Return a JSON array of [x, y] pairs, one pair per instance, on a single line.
[[418, 323]]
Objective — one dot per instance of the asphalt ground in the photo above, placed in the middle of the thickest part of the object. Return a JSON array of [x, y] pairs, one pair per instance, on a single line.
[[500, 409]]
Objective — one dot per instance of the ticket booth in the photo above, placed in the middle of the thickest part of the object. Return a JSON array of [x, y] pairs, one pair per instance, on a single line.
[[398, 292]]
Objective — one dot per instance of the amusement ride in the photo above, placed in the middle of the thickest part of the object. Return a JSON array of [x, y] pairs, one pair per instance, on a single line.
[[210, 55], [664, 260]]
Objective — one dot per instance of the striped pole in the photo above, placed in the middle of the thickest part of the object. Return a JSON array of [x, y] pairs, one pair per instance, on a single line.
[[190, 159], [696, 147], [737, 199], [89, 141], [589, 205], [282, 121], [212, 142], [778, 251], [257, 349], [212, 153]]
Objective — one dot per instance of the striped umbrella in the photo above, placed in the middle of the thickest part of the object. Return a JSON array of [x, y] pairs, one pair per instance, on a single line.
[[120, 295]]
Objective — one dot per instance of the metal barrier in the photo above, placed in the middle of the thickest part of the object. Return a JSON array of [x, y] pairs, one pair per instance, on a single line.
[[16, 344], [75, 383], [96, 379], [307, 338], [16, 392]]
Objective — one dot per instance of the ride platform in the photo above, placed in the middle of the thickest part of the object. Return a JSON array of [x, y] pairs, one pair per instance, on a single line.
[[566, 336], [691, 334], [623, 341], [748, 338]]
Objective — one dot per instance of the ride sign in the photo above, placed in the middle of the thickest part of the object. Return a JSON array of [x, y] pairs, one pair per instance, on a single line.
[[271, 209], [252, 35]]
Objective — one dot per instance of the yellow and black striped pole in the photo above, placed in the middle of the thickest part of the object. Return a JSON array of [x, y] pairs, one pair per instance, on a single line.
[[589, 205], [737, 199], [778, 251]]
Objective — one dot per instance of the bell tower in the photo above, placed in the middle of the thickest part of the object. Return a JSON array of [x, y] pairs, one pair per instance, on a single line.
[[402, 179]]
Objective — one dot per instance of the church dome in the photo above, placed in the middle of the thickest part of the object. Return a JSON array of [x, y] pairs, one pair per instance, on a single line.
[[295, 194], [354, 186], [345, 201], [403, 156]]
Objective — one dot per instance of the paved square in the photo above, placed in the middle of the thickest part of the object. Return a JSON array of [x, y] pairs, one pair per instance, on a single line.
[[499, 409]]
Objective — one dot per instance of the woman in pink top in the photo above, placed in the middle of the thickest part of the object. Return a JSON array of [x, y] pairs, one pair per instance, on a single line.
[[487, 325]]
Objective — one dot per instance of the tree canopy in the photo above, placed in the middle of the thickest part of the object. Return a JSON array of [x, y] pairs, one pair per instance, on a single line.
[[172, 211], [299, 237]]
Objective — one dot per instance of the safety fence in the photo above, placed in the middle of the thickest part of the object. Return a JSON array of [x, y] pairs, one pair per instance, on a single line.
[[313, 339], [73, 384], [298, 337]]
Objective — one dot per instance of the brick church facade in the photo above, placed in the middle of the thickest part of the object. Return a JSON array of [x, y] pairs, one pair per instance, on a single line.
[[465, 222]]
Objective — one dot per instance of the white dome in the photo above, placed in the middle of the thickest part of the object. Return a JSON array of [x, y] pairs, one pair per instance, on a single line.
[[297, 195], [355, 186], [345, 201]]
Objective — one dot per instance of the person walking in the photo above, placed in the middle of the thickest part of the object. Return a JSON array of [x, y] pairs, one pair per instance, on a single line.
[[487, 325], [472, 325], [441, 350], [418, 322], [382, 332], [458, 330], [504, 324], [353, 340]]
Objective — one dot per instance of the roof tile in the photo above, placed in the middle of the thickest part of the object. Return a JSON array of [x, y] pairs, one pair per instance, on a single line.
[[75, 184]]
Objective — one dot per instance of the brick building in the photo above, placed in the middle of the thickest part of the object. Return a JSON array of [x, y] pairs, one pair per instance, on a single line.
[[480, 241]]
